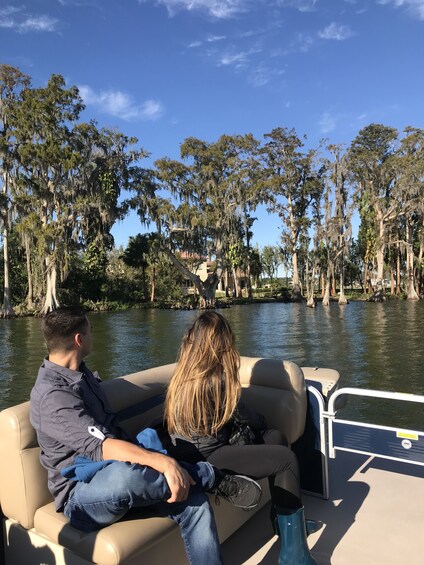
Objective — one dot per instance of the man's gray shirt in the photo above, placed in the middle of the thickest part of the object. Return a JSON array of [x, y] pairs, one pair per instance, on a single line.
[[64, 405]]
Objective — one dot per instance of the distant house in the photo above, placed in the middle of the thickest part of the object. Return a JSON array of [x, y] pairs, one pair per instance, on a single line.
[[227, 283], [202, 267], [197, 265]]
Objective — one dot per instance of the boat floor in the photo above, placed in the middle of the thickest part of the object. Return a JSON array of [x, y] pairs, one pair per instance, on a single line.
[[374, 516]]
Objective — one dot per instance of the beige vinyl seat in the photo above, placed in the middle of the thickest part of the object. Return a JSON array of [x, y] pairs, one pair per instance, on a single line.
[[33, 532]]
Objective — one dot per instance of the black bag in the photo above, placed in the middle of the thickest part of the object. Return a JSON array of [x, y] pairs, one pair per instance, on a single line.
[[242, 434]]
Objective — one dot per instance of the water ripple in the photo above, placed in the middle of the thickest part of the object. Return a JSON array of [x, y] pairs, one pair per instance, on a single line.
[[371, 345]]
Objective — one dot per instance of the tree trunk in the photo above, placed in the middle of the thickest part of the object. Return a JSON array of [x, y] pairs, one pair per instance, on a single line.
[[398, 266], [30, 295], [411, 293], [226, 285], [237, 291], [248, 273], [153, 285], [342, 297], [380, 264], [311, 302], [365, 279], [333, 281], [7, 311], [296, 290], [378, 295], [310, 284], [420, 270], [326, 297], [51, 302], [249, 281], [392, 281], [208, 291]]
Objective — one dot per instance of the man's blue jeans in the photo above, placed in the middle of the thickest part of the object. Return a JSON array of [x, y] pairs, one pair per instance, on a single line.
[[120, 486]]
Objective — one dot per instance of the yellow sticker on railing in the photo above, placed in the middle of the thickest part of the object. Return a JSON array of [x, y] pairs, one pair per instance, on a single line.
[[407, 435]]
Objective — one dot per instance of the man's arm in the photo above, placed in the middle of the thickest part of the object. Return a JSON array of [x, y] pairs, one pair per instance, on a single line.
[[65, 419], [178, 479]]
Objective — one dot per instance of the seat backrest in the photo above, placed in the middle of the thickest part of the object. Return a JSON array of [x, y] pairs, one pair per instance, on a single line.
[[273, 387], [138, 398], [23, 481], [277, 390]]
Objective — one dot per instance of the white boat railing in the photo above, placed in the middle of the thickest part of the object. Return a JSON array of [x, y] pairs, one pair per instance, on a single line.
[[387, 442], [329, 433]]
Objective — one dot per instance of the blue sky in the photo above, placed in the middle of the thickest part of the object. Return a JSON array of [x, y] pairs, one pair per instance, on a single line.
[[163, 70]]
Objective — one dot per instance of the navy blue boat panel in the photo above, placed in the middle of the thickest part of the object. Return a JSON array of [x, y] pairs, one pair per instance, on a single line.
[[399, 444], [311, 460]]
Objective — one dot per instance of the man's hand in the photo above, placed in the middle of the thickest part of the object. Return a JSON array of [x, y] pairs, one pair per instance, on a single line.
[[178, 480]]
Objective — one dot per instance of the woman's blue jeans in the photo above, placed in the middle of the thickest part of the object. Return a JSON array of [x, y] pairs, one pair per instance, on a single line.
[[120, 486]]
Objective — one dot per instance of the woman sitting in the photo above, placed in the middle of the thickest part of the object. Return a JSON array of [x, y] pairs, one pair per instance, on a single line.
[[207, 420]]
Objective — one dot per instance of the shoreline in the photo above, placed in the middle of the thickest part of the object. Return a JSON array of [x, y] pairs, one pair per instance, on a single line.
[[220, 303]]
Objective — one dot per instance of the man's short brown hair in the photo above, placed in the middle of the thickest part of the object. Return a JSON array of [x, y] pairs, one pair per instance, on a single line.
[[60, 326]]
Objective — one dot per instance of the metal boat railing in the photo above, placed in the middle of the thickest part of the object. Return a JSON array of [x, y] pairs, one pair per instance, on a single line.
[[397, 444], [334, 434]]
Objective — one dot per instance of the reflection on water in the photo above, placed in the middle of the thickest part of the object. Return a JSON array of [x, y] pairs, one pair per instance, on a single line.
[[371, 345]]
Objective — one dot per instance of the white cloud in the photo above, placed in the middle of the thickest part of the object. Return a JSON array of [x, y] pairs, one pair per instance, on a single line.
[[152, 110], [257, 73], [306, 6], [38, 23], [79, 3], [7, 23], [12, 17], [303, 43], [301, 5], [213, 38], [237, 59], [121, 105], [327, 122], [262, 75], [8, 10], [209, 39], [336, 31], [217, 8], [415, 7]]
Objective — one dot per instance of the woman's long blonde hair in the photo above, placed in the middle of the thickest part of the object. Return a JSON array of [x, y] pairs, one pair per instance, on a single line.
[[205, 387]]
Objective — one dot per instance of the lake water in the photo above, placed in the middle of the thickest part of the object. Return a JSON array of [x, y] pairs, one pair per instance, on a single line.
[[379, 346]]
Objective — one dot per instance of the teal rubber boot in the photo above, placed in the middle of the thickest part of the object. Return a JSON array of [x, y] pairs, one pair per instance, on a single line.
[[312, 526], [294, 547]]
